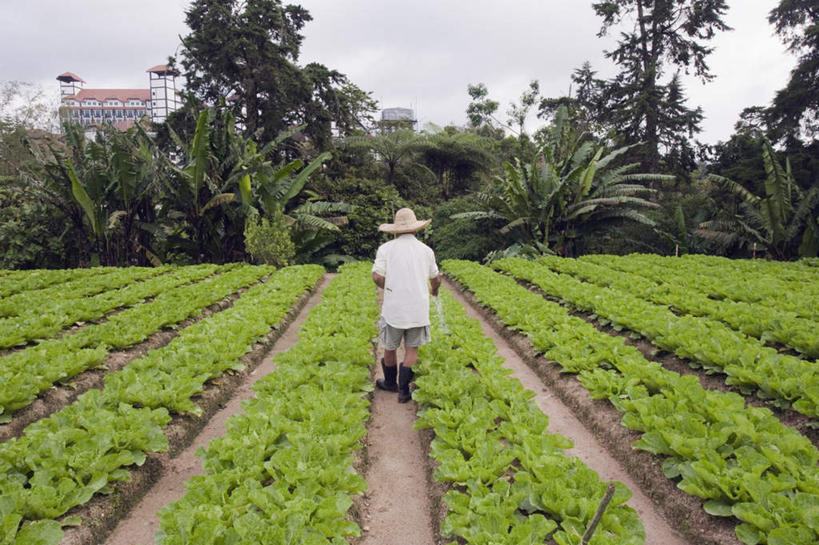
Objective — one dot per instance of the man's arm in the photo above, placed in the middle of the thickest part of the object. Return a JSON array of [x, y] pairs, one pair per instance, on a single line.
[[379, 280], [435, 283]]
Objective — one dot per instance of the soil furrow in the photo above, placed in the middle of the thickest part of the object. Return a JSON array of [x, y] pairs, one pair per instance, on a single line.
[[396, 507]]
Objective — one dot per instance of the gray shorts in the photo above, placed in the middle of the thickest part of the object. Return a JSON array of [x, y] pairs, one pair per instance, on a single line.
[[390, 337]]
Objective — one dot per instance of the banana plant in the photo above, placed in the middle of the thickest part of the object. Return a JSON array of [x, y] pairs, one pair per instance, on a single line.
[[571, 190], [784, 222], [207, 188], [103, 185], [222, 177]]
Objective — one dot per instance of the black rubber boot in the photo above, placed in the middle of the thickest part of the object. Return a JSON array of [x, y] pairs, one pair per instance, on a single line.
[[388, 382], [405, 375]]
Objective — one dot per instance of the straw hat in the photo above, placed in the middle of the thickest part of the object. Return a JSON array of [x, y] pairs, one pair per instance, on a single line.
[[405, 222]]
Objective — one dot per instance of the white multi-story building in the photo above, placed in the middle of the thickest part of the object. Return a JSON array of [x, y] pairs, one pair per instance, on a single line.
[[119, 107]]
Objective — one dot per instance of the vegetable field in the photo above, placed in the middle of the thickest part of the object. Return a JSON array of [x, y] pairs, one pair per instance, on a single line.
[[696, 378]]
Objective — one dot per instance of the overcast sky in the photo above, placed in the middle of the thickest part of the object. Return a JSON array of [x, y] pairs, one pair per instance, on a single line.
[[420, 54]]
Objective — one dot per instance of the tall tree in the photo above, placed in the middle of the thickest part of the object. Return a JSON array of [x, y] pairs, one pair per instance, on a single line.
[[246, 52], [481, 111], [519, 112], [663, 33], [393, 149], [455, 158], [795, 109], [584, 101]]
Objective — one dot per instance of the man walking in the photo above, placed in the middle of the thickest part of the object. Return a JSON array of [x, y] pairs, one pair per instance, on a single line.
[[405, 269]]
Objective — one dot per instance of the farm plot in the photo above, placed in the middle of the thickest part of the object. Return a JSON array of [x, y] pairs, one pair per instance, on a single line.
[[747, 362], [289, 468], [62, 461], [781, 286], [31, 371], [741, 461]]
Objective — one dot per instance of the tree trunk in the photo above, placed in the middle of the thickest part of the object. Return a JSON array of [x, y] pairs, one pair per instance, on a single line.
[[391, 173], [251, 105], [649, 54]]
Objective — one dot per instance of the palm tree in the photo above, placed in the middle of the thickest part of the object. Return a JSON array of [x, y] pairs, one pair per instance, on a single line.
[[571, 190], [455, 157], [393, 149], [784, 222]]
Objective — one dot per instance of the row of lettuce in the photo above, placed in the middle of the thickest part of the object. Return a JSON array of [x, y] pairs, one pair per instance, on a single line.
[[34, 288], [741, 460], [784, 286], [28, 372], [511, 482], [284, 471], [63, 460], [746, 361], [679, 292], [784, 270], [38, 315]]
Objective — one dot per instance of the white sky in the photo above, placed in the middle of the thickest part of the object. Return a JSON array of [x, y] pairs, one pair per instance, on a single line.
[[420, 54]]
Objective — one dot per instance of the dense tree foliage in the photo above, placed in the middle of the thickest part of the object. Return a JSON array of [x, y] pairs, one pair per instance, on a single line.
[[392, 149], [794, 112], [665, 36], [246, 52], [277, 162], [374, 203], [457, 159]]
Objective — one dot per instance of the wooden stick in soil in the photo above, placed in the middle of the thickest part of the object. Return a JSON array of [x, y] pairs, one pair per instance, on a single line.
[[598, 515]]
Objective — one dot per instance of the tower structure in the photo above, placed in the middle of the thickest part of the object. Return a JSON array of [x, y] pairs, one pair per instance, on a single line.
[[70, 84], [163, 92]]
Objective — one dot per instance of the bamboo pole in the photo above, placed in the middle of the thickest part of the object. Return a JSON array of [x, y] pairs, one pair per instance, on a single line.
[[598, 515]]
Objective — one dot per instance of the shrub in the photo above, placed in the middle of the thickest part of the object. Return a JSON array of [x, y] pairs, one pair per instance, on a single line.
[[269, 242]]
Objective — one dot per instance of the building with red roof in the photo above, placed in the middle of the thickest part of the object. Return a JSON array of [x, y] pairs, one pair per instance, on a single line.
[[121, 108]]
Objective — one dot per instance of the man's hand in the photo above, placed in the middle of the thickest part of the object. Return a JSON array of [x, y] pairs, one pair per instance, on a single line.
[[379, 280], [435, 283]]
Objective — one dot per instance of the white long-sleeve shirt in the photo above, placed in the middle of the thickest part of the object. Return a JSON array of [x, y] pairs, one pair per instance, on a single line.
[[407, 265]]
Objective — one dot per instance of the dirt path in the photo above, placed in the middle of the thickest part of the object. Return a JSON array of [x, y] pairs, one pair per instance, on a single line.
[[142, 523], [396, 506], [586, 445]]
